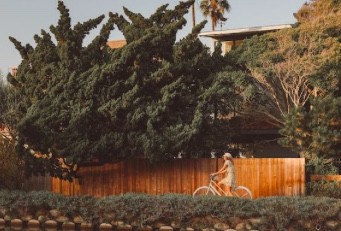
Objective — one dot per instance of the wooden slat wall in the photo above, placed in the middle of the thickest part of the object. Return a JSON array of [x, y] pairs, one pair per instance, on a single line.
[[325, 177], [264, 176], [37, 183]]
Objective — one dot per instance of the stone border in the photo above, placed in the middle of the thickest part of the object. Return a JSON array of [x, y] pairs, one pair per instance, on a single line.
[[251, 224]]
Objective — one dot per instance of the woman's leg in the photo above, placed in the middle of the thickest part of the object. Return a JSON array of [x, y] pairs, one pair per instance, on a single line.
[[229, 188], [222, 184]]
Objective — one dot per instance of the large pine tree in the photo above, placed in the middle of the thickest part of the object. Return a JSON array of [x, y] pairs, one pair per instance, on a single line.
[[90, 103]]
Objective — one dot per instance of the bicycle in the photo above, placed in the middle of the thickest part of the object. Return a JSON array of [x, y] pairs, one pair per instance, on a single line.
[[214, 189]]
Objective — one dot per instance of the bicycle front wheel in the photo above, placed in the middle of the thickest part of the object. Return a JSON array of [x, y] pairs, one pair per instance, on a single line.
[[242, 192], [203, 191]]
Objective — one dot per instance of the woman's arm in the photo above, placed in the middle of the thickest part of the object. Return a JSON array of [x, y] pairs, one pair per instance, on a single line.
[[222, 170]]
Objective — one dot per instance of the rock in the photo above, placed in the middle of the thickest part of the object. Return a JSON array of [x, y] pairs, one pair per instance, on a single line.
[[33, 225], [7, 218], [78, 220], [158, 225], [248, 226], [175, 225], [50, 225], [85, 226], [221, 226], [332, 224], [339, 216], [2, 223], [26, 218], [234, 220], [124, 227], [117, 223], [68, 225], [166, 228], [54, 213], [62, 219], [145, 228], [189, 229], [240, 226], [105, 227], [16, 224], [255, 220], [42, 219], [305, 224]]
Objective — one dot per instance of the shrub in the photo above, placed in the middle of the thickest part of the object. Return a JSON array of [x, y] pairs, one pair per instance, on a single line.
[[201, 212], [324, 188], [11, 176]]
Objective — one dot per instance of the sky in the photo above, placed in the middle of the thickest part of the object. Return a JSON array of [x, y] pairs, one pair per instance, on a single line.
[[22, 19]]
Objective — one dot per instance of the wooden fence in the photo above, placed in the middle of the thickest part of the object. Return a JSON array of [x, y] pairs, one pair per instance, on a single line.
[[264, 176], [37, 183], [325, 177]]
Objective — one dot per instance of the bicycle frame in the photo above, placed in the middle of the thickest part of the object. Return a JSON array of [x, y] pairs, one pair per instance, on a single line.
[[215, 188]]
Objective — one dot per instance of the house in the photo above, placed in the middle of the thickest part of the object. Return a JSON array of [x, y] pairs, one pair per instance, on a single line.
[[13, 71], [233, 37], [5, 132], [257, 137], [116, 43]]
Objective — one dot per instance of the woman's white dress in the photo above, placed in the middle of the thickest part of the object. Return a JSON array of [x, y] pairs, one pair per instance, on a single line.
[[230, 179]]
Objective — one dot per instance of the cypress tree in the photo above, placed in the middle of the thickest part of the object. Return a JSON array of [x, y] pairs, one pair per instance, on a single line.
[[91, 103]]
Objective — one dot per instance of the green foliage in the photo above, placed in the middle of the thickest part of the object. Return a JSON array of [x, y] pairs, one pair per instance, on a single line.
[[11, 174], [48, 79], [325, 188], [141, 209], [291, 66], [9, 99], [281, 211], [19, 203], [315, 133], [11, 166], [146, 99], [296, 73]]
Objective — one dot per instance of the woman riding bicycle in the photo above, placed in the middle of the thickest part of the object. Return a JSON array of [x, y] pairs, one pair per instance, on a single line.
[[230, 178]]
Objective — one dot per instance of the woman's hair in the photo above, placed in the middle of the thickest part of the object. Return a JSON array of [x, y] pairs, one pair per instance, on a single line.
[[227, 155]]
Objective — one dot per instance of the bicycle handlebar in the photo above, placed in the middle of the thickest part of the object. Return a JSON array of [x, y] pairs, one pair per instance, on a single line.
[[213, 177]]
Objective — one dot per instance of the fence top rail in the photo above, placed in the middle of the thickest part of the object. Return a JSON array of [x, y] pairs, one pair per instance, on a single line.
[[325, 177]]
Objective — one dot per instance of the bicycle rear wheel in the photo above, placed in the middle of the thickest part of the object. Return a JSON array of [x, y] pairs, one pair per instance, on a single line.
[[203, 191], [242, 192]]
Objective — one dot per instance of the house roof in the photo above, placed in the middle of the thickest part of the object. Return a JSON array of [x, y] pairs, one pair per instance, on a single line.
[[116, 43], [5, 132], [241, 33]]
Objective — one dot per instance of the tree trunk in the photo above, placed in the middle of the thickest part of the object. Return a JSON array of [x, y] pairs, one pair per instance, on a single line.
[[193, 14]]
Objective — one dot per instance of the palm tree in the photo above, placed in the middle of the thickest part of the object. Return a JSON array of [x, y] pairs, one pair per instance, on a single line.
[[215, 9], [193, 13]]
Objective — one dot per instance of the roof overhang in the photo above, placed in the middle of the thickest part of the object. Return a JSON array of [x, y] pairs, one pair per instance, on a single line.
[[241, 33]]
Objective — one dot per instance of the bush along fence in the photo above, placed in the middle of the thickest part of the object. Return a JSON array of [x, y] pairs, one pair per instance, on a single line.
[[263, 176], [169, 212], [325, 185]]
